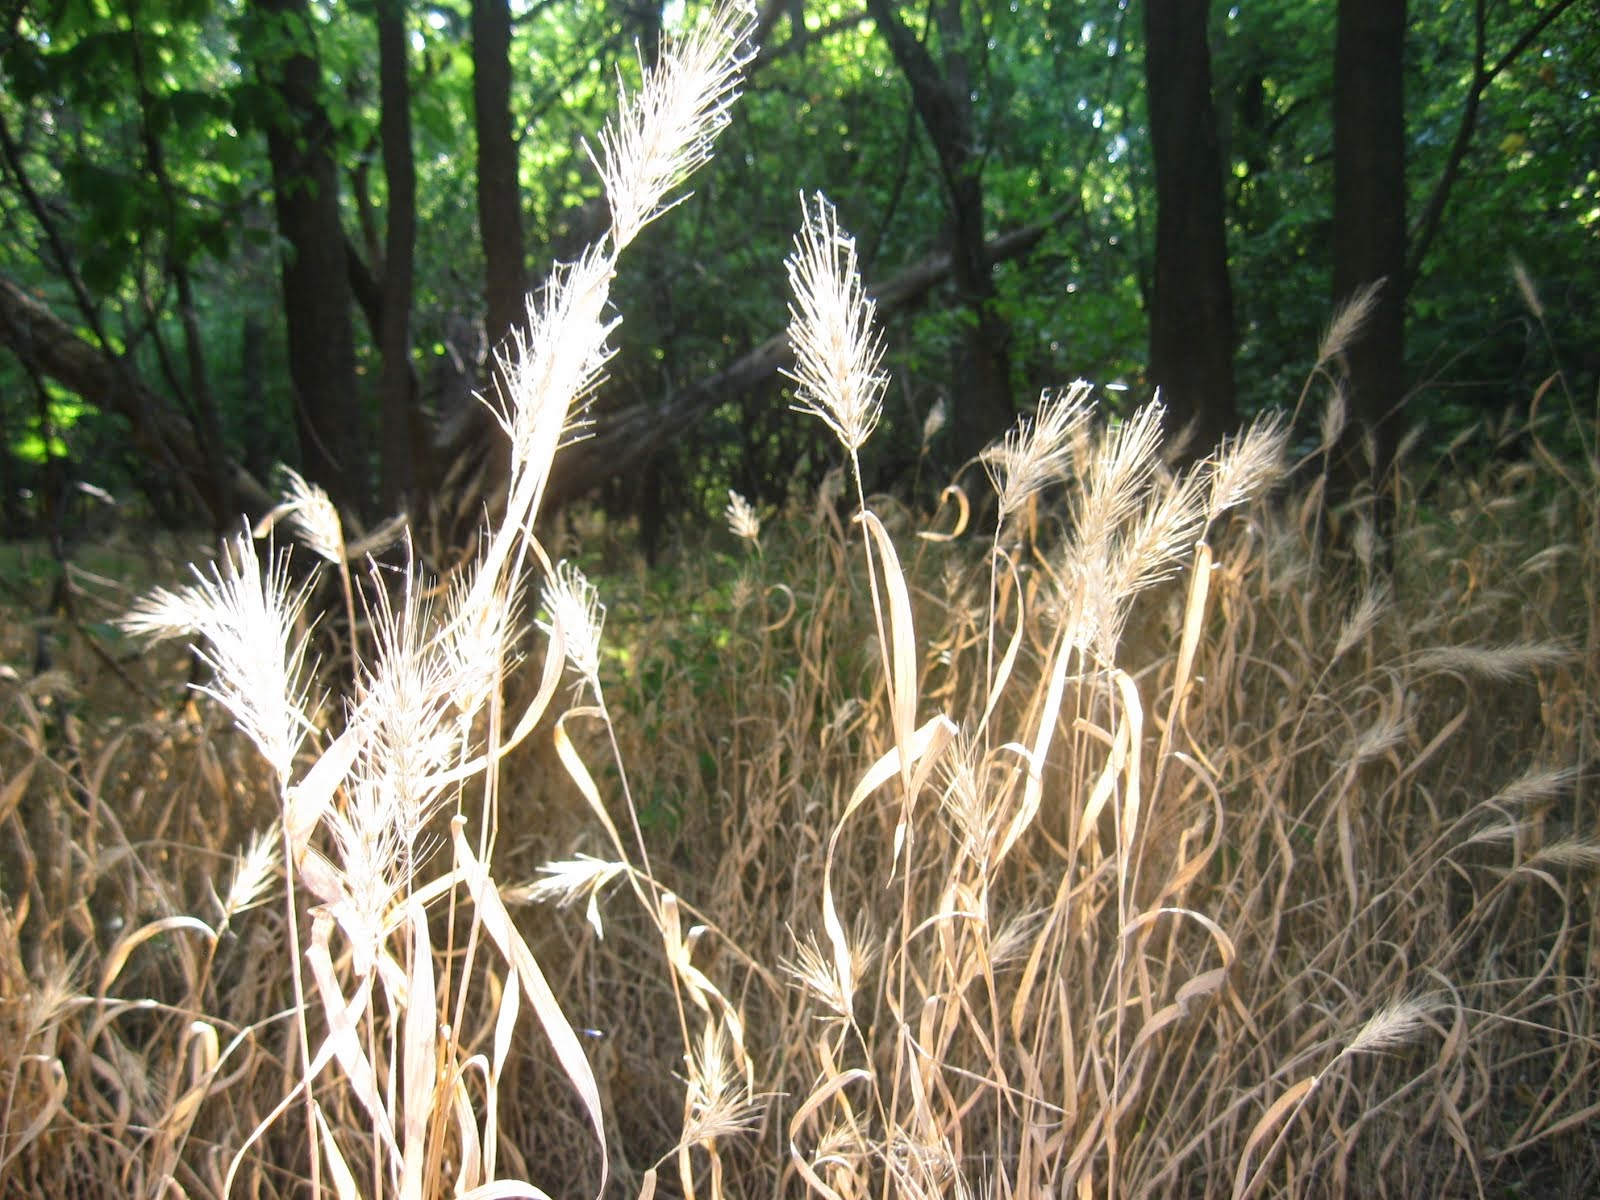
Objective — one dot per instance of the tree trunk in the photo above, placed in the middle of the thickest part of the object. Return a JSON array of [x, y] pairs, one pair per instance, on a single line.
[[942, 95], [203, 404], [1369, 226], [316, 290], [1191, 308], [499, 194], [253, 381], [396, 390]]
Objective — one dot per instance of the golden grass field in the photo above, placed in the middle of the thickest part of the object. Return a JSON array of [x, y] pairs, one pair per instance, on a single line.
[[1146, 836]]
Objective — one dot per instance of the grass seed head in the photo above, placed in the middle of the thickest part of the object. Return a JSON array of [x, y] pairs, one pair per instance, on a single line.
[[837, 352]]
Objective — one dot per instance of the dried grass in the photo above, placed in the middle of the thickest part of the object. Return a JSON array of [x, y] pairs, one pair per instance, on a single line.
[[1125, 849]]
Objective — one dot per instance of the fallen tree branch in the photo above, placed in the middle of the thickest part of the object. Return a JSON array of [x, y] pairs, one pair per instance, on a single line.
[[48, 345], [626, 437]]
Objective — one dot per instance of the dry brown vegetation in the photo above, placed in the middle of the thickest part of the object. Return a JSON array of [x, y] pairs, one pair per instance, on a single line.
[[1153, 841]]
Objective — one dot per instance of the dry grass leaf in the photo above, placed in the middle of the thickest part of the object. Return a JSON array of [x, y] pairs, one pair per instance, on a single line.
[[497, 923], [570, 759], [117, 959], [344, 1042], [1280, 1110], [963, 514], [925, 744], [505, 1024], [14, 788], [344, 1179], [48, 1108], [819, 1096], [902, 637]]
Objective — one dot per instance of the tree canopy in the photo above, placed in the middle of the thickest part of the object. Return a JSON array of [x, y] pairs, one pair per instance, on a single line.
[[239, 234]]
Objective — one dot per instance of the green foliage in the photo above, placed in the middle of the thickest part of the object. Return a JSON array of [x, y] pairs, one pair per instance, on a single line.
[[89, 86], [43, 435]]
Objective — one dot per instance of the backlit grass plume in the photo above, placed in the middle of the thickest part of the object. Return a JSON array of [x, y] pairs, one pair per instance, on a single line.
[[837, 352]]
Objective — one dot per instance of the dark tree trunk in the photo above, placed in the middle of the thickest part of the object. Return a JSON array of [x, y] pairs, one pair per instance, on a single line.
[[942, 95], [1191, 309], [499, 196], [646, 20], [316, 290], [11, 513], [253, 382], [396, 391], [202, 401], [1369, 225]]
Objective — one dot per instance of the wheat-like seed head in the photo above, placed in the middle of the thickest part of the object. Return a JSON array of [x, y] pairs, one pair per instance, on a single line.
[[719, 1104], [742, 519], [836, 351], [1394, 1025], [934, 421], [55, 994], [1161, 537], [374, 867], [1583, 853], [253, 872], [477, 640], [550, 370], [1116, 469], [248, 618], [1378, 738], [569, 880], [575, 610], [965, 803], [1537, 785], [1524, 282], [1037, 452], [1502, 663], [1363, 618], [1347, 321], [314, 517], [664, 132], [1248, 464], [1334, 415], [406, 713], [1500, 834], [817, 976]]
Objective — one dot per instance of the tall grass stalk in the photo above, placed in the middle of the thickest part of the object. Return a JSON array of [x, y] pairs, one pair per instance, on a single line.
[[423, 729]]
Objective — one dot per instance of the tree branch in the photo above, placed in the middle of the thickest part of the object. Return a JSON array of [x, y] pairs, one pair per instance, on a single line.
[[1482, 76]]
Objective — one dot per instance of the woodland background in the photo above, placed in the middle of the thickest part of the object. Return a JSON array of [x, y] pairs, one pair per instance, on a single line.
[[237, 235]]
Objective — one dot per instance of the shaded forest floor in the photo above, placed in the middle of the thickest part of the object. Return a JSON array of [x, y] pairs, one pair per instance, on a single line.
[[1305, 905]]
